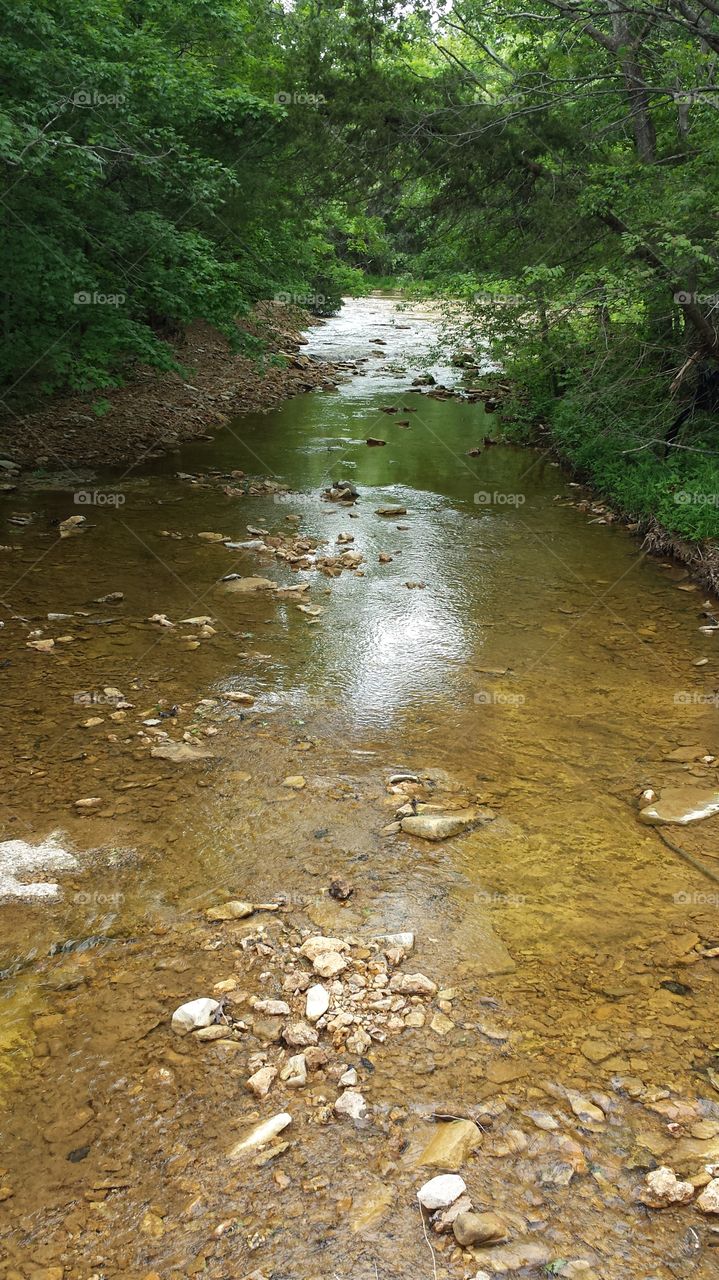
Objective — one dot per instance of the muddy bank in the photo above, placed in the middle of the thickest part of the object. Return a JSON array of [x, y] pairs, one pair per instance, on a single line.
[[157, 411]]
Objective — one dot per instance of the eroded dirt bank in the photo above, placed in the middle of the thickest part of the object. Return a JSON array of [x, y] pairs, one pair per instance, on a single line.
[[155, 411], [228, 699]]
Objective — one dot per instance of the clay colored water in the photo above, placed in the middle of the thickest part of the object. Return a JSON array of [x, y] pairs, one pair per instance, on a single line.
[[499, 642]]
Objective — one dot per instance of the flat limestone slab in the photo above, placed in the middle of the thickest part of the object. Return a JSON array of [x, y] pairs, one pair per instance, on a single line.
[[680, 805], [450, 1145]]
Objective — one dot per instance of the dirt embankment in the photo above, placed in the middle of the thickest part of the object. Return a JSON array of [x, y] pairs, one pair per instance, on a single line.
[[156, 411]]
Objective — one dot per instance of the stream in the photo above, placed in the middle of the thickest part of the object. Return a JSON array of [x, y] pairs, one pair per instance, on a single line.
[[503, 641]]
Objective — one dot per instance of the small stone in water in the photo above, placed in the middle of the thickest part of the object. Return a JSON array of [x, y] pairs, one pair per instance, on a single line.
[[194, 1014], [261, 1082], [442, 1191], [352, 1104]]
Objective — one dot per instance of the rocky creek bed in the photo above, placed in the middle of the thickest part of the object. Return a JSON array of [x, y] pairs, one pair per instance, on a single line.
[[369, 769]]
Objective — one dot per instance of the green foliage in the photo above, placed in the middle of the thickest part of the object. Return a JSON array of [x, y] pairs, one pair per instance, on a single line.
[[150, 178]]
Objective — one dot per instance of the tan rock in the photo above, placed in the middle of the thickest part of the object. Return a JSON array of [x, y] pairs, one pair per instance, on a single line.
[[479, 1228], [261, 1082], [662, 1188], [450, 1145], [233, 910]]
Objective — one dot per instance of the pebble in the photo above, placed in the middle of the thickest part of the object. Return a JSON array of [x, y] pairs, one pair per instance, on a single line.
[[662, 1188], [194, 1014], [352, 1104], [261, 1082], [274, 1008], [442, 1191], [295, 782], [329, 964], [318, 943], [299, 1035], [412, 984], [294, 1072], [318, 1002]]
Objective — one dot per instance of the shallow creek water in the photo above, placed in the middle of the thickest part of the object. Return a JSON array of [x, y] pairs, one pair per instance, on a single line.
[[545, 668]]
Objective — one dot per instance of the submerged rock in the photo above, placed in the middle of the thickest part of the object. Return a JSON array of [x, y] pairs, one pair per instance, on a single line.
[[261, 1134], [450, 1145], [442, 826], [233, 910], [180, 752], [681, 805]]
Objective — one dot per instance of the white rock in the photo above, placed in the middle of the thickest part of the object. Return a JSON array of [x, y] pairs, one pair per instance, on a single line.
[[19, 859], [318, 1002], [349, 1078], [273, 1008], [442, 1191], [403, 940], [261, 1134], [352, 1104], [194, 1014]]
